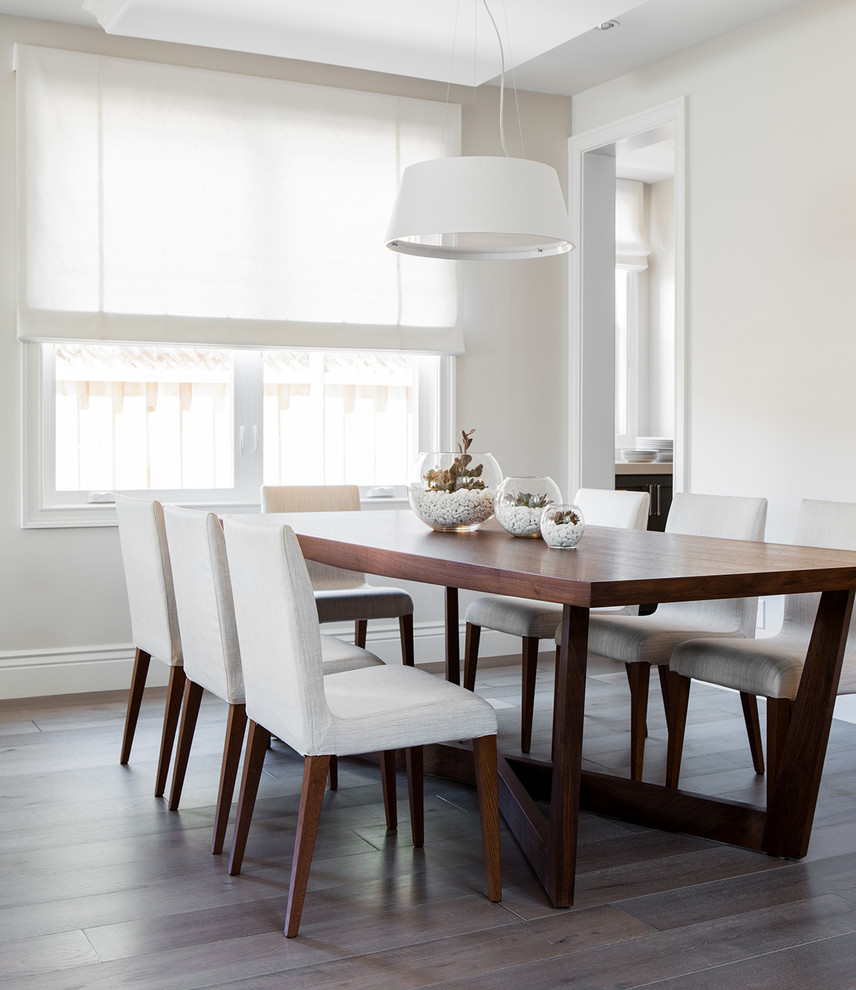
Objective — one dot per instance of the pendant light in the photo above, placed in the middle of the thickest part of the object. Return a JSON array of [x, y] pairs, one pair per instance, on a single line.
[[480, 208]]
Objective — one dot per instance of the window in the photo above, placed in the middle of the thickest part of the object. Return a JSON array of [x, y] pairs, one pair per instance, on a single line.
[[209, 426], [631, 306], [204, 296]]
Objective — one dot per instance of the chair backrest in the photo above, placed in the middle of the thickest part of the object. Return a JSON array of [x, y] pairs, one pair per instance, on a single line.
[[727, 517], [317, 498], [203, 597], [148, 576], [278, 632], [819, 524], [619, 509]]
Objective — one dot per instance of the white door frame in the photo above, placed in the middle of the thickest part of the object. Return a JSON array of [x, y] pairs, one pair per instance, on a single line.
[[591, 371]]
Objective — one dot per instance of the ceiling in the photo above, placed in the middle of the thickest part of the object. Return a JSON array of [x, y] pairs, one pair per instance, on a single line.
[[555, 45]]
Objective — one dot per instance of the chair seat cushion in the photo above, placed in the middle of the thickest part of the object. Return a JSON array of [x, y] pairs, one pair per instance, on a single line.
[[392, 707], [365, 602], [641, 639], [755, 666], [515, 616], [338, 656], [770, 668]]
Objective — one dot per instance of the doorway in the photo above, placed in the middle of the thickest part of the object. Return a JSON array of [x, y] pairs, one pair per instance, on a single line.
[[647, 150]]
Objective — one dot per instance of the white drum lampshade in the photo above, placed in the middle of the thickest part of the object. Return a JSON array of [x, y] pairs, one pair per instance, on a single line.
[[479, 208]]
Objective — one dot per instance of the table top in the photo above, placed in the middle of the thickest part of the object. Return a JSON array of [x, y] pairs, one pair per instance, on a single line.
[[609, 567]]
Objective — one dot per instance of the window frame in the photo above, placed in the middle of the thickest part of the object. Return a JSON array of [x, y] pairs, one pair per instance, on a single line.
[[43, 507]]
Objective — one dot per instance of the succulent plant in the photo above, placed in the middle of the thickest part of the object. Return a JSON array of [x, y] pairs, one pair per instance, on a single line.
[[527, 500], [459, 474], [565, 517]]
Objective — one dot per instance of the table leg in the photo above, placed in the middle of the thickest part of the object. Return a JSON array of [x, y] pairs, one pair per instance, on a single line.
[[567, 755], [791, 812], [453, 644]]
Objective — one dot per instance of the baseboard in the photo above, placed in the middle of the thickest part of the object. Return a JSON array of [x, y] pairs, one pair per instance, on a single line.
[[79, 670]]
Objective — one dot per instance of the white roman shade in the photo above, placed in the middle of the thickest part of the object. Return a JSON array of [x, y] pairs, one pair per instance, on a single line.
[[631, 237], [159, 203]]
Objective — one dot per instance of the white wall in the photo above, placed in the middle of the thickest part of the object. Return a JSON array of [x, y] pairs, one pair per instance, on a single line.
[[771, 252], [64, 622]]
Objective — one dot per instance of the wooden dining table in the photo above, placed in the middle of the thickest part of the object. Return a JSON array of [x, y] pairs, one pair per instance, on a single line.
[[614, 567]]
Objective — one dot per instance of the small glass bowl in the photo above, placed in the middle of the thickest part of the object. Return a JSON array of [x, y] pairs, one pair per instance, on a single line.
[[562, 526]]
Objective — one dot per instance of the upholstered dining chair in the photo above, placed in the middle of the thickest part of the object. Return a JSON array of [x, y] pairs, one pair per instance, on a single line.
[[154, 622], [212, 658], [643, 641], [770, 668], [373, 709], [533, 621], [341, 595]]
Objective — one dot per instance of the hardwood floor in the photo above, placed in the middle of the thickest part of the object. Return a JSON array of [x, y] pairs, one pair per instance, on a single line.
[[103, 888]]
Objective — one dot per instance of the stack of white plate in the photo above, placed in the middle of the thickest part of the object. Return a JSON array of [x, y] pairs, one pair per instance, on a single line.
[[639, 456], [664, 446]]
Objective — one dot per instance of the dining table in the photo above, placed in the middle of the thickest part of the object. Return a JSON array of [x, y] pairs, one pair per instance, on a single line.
[[540, 800]]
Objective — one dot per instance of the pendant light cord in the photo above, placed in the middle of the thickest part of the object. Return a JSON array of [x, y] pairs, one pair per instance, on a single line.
[[501, 80]]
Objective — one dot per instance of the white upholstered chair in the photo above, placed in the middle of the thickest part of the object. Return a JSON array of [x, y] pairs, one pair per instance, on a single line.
[[341, 595], [643, 641], [772, 667], [154, 623], [374, 709], [212, 658], [533, 621]]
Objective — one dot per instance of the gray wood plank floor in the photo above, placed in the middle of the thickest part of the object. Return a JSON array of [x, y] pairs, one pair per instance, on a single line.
[[103, 888]]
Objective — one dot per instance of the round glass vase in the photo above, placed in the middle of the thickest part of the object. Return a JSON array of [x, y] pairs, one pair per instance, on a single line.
[[562, 526], [520, 502], [453, 492]]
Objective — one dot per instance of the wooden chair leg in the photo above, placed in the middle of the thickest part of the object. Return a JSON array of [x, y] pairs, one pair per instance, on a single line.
[[638, 675], [334, 773], [778, 720], [174, 692], [189, 714], [749, 703], [235, 725], [628, 669], [254, 757], [360, 630], [135, 699], [530, 670], [678, 694], [315, 770], [416, 793], [387, 777], [484, 751], [471, 655], [405, 631]]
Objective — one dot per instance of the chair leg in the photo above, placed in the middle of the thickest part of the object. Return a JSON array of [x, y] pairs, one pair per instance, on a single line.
[[405, 631], [189, 714], [315, 770], [484, 751], [174, 692], [416, 793], [334, 773], [749, 703], [360, 629], [387, 777], [471, 655], [628, 669], [530, 670], [235, 725], [254, 757], [135, 699], [778, 720], [639, 675], [678, 694]]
